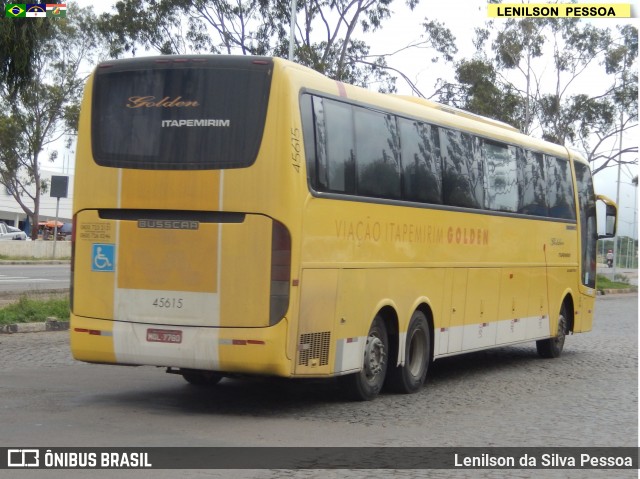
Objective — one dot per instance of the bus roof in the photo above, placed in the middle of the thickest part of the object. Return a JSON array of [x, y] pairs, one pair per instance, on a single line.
[[459, 112], [429, 110]]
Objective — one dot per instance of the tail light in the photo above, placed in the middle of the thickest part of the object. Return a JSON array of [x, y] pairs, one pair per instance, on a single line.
[[280, 272]]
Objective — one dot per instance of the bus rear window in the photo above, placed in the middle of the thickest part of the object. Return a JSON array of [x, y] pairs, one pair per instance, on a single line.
[[173, 113]]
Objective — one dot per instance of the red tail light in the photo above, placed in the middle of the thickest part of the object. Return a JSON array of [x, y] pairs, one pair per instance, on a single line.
[[280, 272]]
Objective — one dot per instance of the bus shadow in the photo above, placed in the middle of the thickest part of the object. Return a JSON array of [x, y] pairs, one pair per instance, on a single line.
[[262, 397], [248, 396], [481, 362]]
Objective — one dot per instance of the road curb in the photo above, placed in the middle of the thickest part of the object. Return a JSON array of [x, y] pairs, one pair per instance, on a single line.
[[51, 324]]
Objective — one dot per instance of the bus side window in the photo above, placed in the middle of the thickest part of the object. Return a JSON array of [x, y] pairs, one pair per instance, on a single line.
[[462, 183], [377, 154], [421, 162], [321, 172], [501, 177], [309, 138], [559, 188], [336, 164], [533, 188]]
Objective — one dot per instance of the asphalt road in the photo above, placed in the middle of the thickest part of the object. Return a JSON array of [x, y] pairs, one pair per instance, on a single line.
[[19, 278], [502, 397]]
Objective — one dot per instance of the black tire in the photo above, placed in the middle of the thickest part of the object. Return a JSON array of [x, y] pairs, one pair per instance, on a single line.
[[366, 384], [410, 377], [552, 347], [201, 378]]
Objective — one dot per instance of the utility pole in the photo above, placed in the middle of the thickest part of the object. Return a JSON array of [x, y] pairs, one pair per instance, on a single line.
[[615, 239], [292, 29]]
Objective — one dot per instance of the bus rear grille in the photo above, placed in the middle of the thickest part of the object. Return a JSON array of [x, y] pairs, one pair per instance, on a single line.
[[314, 349]]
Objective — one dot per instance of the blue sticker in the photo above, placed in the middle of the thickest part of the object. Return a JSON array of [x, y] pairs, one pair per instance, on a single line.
[[103, 257]]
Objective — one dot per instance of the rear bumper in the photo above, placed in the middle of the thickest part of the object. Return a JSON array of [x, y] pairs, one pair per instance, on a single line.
[[228, 350]]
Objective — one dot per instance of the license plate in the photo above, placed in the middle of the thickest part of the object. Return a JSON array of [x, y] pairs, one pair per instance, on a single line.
[[164, 336]]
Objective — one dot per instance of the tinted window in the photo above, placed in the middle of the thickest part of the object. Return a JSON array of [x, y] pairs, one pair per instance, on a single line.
[[360, 151], [559, 189], [501, 177], [588, 226], [462, 177], [377, 154], [336, 150], [320, 163], [171, 113], [309, 138], [533, 187], [422, 167]]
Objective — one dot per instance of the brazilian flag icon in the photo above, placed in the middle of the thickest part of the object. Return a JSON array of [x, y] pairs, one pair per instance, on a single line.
[[15, 10]]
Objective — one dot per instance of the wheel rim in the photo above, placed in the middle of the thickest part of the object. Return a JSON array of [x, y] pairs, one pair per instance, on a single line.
[[375, 358], [417, 352]]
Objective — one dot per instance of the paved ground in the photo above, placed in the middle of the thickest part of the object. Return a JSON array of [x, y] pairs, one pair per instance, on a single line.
[[502, 397]]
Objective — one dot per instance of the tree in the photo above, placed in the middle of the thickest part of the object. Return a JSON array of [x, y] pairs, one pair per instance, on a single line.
[[504, 80], [20, 38], [326, 32], [621, 100], [478, 90], [46, 109]]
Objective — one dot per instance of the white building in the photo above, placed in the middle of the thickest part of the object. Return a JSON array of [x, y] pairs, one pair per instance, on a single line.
[[12, 214]]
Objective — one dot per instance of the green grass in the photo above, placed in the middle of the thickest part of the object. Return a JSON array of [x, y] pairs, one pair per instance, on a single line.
[[33, 311], [602, 282]]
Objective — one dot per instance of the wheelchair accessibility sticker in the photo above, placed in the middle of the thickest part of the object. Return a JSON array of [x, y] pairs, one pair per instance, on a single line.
[[103, 257]]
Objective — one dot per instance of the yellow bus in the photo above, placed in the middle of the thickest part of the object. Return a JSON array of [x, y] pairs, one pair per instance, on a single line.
[[243, 215]]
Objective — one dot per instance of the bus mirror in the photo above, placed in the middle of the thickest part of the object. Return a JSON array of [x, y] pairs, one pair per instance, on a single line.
[[610, 217]]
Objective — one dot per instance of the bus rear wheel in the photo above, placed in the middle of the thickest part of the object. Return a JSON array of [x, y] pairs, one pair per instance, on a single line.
[[366, 384], [552, 347], [410, 377], [200, 378]]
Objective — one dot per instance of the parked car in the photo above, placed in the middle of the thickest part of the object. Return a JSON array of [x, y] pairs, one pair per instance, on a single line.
[[11, 233]]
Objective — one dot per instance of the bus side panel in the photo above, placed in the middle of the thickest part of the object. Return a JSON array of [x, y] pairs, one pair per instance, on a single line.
[[537, 325], [363, 292], [316, 332], [514, 305], [562, 271], [453, 311], [584, 314], [481, 310], [339, 305]]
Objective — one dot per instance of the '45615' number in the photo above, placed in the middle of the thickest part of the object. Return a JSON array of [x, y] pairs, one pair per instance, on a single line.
[[169, 303]]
